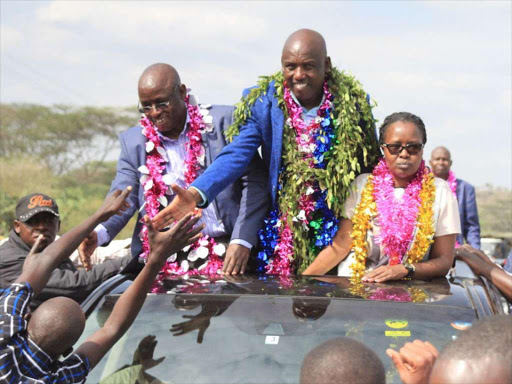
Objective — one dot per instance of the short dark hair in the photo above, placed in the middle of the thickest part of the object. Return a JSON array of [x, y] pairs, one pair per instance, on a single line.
[[485, 339], [402, 116], [342, 360]]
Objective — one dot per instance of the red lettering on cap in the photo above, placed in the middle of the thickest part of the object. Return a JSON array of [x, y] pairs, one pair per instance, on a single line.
[[39, 201]]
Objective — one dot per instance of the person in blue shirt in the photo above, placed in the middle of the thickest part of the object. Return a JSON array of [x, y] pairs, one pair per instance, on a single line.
[[31, 343]]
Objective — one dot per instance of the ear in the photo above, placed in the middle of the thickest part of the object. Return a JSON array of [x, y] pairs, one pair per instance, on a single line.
[[328, 67], [16, 226], [183, 91]]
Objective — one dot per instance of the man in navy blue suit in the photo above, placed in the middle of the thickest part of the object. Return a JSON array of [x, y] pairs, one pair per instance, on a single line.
[[262, 119], [236, 214], [441, 162]]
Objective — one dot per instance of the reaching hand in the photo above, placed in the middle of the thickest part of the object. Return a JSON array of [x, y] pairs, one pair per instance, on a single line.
[[236, 259], [115, 203], [184, 202], [144, 353], [87, 248], [164, 244], [414, 362], [199, 322], [479, 263]]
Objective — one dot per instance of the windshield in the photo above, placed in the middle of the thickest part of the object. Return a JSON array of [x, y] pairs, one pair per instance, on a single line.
[[194, 338]]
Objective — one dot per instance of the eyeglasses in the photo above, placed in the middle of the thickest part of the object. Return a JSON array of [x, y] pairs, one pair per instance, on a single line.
[[145, 109], [411, 148]]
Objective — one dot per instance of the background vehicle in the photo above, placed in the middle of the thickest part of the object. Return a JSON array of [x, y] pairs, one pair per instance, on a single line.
[[258, 329], [495, 248]]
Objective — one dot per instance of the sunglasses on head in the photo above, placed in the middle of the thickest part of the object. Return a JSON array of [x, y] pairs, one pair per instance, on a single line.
[[411, 148]]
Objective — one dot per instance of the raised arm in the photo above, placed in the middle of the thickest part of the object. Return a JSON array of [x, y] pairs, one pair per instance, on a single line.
[[38, 267], [481, 265], [163, 244], [228, 166], [126, 174], [333, 254]]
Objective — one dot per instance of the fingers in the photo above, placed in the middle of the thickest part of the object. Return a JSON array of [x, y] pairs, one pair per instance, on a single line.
[[396, 358], [373, 275], [200, 335], [429, 347], [229, 264], [186, 223], [177, 189], [163, 217]]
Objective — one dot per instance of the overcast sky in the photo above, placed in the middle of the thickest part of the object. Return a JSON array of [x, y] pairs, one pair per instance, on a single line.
[[448, 62]]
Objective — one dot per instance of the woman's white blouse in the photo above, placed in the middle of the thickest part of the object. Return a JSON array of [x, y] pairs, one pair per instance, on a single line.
[[446, 220]]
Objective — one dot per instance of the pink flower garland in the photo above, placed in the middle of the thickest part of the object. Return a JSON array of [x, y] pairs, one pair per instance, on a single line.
[[397, 218], [281, 264], [155, 189], [305, 133], [452, 182]]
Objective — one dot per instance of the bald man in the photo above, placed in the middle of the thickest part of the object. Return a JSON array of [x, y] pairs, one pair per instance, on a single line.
[[32, 343], [342, 360], [235, 216], [481, 354], [441, 162], [316, 132]]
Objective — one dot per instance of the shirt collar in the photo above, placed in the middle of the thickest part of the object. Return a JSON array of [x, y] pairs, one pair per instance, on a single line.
[[38, 355], [312, 111], [183, 132]]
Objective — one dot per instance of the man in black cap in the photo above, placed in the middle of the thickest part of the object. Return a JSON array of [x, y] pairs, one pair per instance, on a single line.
[[38, 214]]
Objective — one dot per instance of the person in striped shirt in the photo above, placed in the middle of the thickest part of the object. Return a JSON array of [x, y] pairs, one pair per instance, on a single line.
[[31, 343]]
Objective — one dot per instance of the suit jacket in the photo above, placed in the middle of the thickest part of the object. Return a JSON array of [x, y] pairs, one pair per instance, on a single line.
[[241, 207], [469, 224], [264, 128]]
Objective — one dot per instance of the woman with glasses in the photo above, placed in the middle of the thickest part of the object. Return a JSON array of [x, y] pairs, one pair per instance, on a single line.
[[400, 221]]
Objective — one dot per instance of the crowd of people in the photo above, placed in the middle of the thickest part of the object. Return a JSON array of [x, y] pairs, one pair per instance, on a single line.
[[294, 180]]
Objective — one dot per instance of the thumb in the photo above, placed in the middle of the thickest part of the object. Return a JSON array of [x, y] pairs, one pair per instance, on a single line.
[[397, 359], [126, 192], [177, 189], [149, 224]]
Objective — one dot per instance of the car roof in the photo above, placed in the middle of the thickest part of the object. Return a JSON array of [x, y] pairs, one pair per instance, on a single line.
[[464, 292]]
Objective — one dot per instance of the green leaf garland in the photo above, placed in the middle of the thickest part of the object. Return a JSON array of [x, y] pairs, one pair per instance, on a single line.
[[350, 109]]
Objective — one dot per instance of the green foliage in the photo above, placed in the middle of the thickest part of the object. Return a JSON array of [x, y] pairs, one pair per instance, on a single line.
[[352, 147], [60, 151], [62, 137], [495, 211]]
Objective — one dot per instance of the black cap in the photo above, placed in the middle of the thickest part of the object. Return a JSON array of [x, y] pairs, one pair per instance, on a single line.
[[33, 204]]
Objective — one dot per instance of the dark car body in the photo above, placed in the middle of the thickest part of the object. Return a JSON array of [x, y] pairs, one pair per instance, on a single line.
[[258, 329]]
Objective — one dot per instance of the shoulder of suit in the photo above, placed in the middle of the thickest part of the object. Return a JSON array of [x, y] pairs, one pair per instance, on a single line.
[[461, 182]]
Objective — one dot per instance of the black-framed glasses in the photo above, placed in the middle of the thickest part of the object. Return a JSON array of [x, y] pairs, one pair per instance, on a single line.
[[145, 109], [411, 148]]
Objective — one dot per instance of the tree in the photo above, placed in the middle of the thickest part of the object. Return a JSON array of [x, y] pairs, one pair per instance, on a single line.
[[62, 137]]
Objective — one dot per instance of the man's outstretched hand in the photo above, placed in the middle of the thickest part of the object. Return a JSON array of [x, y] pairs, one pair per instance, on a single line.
[[115, 203], [164, 244], [184, 202]]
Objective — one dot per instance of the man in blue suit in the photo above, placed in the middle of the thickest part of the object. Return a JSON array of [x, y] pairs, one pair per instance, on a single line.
[[441, 162], [335, 154], [236, 214]]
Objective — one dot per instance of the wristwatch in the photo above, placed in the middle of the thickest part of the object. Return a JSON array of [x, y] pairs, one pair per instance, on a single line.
[[411, 269]]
